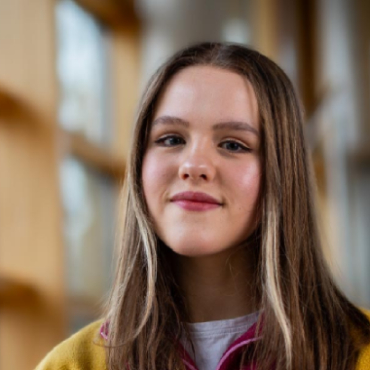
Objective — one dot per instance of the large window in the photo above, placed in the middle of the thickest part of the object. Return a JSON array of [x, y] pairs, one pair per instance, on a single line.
[[88, 194], [83, 73]]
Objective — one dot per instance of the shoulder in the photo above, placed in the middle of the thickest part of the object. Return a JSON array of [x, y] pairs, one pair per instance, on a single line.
[[364, 357], [83, 350]]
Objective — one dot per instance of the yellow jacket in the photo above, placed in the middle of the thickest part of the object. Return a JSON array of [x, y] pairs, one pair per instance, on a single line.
[[82, 351], [85, 351]]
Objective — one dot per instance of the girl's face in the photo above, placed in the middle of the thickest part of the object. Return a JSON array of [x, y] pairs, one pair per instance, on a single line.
[[202, 167]]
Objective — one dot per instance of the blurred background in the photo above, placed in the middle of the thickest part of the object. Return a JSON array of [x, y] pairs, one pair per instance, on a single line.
[[71, 73]]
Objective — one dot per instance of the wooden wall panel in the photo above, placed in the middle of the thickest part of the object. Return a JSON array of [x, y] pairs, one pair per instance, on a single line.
[[265, 27], [361, 51], [30, 214], [126, 71]]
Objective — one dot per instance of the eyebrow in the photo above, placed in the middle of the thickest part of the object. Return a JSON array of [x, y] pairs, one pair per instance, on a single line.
[[234, 125]]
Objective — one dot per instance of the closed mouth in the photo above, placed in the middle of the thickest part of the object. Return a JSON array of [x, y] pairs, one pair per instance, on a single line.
[[195, 197]]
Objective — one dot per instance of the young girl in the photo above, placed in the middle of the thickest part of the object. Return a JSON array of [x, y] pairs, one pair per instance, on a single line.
[[220, 263]]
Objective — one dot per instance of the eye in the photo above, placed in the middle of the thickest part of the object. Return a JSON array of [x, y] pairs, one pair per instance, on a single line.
[[170, 141], [234, 146]]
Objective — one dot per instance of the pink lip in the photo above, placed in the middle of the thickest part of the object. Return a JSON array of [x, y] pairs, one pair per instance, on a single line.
[[195, 201]]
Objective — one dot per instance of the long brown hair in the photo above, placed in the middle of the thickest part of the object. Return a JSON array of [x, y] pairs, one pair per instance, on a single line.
[[307, 321]]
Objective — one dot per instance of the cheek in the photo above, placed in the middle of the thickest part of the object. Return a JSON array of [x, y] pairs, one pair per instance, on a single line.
[[247, 182], [155, 174]]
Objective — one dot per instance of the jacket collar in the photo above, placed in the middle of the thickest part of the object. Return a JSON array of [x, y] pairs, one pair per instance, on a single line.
[[227, 361]]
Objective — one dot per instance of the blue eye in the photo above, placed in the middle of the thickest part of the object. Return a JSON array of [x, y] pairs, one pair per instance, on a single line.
[[170, 140], [234, 146]]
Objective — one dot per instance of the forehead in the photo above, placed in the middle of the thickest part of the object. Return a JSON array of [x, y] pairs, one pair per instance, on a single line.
[[207, 92]]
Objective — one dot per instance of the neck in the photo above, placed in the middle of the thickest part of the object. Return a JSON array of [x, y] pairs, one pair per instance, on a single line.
[[221, 286]]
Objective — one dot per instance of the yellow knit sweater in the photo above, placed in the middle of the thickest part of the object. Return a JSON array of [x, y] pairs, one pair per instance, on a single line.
[[82, 351], [85, 351]]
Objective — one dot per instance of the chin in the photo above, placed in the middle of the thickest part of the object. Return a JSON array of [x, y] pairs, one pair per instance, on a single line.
[[191, 252], [189, 249]]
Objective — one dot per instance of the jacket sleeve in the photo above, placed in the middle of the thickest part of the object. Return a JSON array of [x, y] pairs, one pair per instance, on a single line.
[[364, 357], [84, 350]]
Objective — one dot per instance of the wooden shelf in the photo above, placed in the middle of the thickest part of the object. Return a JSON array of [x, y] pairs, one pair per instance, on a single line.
[[7, 101], [13, 291], [93, 155], [76, 144], [114, 13], [3, 97]]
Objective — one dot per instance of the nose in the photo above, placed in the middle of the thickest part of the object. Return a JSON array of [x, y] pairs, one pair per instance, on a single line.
[[197, 165]]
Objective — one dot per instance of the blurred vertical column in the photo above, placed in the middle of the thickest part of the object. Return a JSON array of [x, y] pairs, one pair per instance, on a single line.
[[359, 152], [335, 133], [88, 195], [343, 133], [31, 250]]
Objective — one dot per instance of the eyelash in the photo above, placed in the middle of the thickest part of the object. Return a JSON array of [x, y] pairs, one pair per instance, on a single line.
[[242, 148]]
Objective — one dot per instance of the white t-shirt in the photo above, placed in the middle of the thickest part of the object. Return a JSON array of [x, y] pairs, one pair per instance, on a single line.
[[212, 338]]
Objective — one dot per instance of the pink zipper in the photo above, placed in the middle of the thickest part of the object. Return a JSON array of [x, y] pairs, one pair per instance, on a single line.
[[246, 338], [242, 341], [233, 349]]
